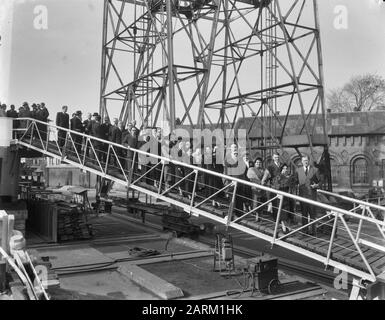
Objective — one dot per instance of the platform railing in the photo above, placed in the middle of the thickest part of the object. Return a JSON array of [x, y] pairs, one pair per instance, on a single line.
[[149, 173], [366, 209]]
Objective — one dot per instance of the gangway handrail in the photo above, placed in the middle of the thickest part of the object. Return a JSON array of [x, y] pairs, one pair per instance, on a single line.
[[360, 202], [366, 271], [220, 175]]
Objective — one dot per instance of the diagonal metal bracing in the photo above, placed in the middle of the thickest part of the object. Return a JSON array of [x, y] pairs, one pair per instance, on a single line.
[[251, 58], [104, 165]]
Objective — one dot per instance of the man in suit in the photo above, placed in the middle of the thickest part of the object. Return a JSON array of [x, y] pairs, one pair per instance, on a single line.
[[114, 131], [77, 125], [42, 115], [113, 136], [98, 132], [308, 180], [272, 170], [87, 128], [106, 127], [130, 140], [12, 113], [63, 121], [137, 131]]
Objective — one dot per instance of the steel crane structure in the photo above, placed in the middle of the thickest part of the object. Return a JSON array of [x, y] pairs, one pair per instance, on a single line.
[[209, 63]]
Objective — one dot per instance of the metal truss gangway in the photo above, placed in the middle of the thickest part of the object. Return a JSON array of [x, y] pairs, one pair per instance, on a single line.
[[352, 241]]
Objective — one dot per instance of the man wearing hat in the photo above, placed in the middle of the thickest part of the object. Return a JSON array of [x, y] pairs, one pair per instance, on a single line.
[[87, 124], [91, 128], [12, 113], [62, 120], [77, 125], [87, 128], [42, 115]]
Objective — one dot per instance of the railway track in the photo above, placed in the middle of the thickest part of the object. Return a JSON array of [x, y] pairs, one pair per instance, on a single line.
[[325, 277], [299, 269]]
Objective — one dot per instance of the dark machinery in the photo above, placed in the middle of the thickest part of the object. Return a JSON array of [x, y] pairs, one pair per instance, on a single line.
[[224, 254], [179, 222], [264, 272]]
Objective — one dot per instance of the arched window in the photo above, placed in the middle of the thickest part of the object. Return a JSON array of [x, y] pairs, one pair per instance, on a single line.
[[360, 171]]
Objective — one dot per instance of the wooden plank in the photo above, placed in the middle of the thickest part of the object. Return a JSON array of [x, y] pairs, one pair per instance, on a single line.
[[373, 253], [355, 263], [344, 249], [318, 242], [376, 257], [356, 254], [379, 264], [343, 242]]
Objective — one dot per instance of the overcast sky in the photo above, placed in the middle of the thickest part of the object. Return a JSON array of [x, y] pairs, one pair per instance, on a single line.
[[61, 65]]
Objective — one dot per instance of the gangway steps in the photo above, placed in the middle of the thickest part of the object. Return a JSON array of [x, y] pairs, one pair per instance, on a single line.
[[343, 251], [340, 252], [380, 264]]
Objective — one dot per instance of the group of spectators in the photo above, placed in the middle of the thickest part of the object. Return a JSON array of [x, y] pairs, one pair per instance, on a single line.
[[233, 162], [37, 111]]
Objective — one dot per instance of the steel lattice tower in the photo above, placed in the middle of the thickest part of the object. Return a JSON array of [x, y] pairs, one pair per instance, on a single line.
[[213, 62]]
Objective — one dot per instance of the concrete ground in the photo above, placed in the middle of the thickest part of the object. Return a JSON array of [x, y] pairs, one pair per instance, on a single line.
[[90, 270]]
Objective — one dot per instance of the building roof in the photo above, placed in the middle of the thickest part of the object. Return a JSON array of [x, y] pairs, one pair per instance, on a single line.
[[338, 124]]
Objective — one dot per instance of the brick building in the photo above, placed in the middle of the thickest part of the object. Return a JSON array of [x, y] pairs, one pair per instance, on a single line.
[[356, 145]]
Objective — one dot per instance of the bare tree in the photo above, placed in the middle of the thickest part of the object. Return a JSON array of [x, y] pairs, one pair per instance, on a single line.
[[362, 93]]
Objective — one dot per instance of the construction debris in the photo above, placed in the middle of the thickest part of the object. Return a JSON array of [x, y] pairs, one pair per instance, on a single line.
[[27, 278]]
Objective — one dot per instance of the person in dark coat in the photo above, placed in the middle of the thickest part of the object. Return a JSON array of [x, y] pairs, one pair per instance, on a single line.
[[34, 111], [12, 113], [86, 124], [113, 135], [87, 131], [169, 168], [235, 167], [130, 141], [62, 121], [113, 131], [91, 123], [38, 115], [218, 166], [178, 155], [209, 180], [77, 125], [118, 139], [308, 180], [189, 184], [42, 115], [98, 132], [22, 123], [137, 131], [105, 127], [153, 146], [27, 114]]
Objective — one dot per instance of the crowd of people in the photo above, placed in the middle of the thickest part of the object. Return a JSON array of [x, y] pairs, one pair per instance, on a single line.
[[37, 111], [230, 161]]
